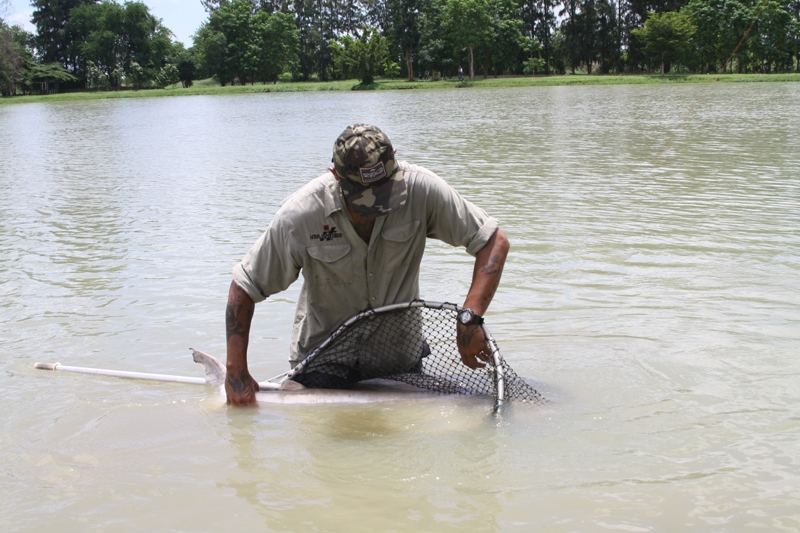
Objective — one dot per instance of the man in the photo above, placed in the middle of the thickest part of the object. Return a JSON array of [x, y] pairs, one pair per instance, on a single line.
[[357, 233]]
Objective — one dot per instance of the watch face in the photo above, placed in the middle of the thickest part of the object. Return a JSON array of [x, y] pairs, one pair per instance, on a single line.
[[465, 316]]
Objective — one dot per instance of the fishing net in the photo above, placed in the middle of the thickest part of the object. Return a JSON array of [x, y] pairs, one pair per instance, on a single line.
[[414, 343]]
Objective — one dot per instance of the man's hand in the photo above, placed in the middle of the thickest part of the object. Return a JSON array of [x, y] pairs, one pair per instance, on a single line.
[[241, 388], [472, 345]]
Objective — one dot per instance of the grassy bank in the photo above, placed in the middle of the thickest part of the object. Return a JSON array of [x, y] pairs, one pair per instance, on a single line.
[[208, 87]]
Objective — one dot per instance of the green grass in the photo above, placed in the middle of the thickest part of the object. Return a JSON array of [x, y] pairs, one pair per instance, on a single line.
[[210, 87]]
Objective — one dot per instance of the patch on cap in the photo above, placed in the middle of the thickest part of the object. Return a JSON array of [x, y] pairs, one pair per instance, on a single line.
[[371, 175]]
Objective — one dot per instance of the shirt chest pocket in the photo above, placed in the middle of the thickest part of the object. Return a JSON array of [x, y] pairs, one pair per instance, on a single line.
[[401, 249], [330, 263], [398, 235]]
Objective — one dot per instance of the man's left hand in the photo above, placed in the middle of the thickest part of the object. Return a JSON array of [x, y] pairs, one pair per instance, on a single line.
[[472, 345]]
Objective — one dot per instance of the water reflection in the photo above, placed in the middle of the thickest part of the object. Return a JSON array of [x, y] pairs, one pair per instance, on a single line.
[[362, 466]]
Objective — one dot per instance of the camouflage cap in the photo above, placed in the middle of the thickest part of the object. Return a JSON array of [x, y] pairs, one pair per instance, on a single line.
[[363, 157]]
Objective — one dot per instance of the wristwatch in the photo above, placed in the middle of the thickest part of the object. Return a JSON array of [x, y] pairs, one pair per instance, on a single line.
[[468, 317]]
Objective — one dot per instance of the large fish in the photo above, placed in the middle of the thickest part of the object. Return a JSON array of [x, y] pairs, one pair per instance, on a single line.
[[286, 391], [277, 390]]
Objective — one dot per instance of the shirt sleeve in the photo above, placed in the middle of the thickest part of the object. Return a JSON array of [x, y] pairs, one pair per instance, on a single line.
[[270, 266], [455, 220]]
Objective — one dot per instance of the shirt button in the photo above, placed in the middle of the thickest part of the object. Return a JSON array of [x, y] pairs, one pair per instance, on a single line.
[[371, 274]]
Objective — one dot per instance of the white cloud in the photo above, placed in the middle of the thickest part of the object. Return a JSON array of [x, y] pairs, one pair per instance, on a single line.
[[21, 18]]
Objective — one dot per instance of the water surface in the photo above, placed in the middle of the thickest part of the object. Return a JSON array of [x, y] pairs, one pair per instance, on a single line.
[[652, 291]]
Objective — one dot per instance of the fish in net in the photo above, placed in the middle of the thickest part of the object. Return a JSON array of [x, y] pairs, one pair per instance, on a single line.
[[413, 343]]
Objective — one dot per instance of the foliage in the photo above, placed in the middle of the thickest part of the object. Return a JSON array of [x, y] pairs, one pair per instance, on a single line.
[[666, 37], [405, 29], [533, 65], [468, 26], [719, 26], [507, 41], [54, 40], [14, 59], [360, 57], [108, 44], [275, 46], [240, 44], [168, 75]]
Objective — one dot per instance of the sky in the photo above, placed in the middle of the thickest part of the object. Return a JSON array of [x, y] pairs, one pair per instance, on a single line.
[[183, 17]]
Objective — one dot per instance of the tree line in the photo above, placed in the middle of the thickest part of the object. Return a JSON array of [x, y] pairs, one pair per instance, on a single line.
[[90, 44], [94, 44]]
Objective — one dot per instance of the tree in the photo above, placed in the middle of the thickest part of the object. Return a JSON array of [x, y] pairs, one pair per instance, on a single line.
[[184, 62], [234, 21], [607, 35], [435, 52], [53, 40], [539, 25], [102, 44], [210, 47], [771, 38], [405, 24], [569, 31], [362, 57], [506, 51], [14, 58], [240, 43], [125, 42], [720, 25], [468, 26], [276, 42], [666, 37]]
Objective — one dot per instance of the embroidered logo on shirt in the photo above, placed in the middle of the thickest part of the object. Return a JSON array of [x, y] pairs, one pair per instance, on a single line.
[[328, 233]]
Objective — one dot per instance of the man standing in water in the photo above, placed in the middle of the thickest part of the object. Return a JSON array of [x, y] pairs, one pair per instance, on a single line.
[[358, 233]]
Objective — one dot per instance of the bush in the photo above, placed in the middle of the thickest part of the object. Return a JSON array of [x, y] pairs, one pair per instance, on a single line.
[[391, 69], [168, 75], [533, 65]]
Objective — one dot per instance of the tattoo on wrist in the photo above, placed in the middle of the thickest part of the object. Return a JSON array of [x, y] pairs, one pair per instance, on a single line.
[[237, 383], [464, 335]]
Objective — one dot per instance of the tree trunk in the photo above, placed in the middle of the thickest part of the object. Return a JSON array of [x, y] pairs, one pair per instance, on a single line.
[[410, 64], [471, 64]]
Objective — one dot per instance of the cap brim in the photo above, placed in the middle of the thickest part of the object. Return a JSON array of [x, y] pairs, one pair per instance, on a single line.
[[376, 200]]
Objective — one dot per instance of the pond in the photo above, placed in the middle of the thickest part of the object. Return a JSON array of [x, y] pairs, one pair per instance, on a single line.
[[652, 293]]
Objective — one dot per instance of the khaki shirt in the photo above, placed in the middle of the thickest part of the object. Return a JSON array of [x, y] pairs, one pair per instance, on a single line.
[[342, 275]]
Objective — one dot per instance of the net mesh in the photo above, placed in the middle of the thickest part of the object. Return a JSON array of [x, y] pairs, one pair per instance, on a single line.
[[414, 343]]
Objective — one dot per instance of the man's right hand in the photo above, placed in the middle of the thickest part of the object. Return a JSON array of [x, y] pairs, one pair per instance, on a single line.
[[241, 388]]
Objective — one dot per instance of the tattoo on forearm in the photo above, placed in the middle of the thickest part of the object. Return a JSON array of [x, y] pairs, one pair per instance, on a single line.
[[493, 269], [493, 266], [237, 317]]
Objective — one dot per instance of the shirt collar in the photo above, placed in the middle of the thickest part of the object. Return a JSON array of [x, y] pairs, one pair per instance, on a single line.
[[332, 200]]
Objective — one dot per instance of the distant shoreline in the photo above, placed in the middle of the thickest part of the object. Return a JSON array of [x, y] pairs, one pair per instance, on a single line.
[[209, 87]]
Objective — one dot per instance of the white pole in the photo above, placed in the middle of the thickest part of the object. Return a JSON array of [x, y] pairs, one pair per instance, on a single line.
[[120, 373], [263, 385]]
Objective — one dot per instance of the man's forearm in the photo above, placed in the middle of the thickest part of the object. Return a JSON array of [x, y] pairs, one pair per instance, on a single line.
[[238, 315], [489, 263]]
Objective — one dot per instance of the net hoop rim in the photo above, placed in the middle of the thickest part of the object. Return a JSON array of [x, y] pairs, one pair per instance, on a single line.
[[495, 362]]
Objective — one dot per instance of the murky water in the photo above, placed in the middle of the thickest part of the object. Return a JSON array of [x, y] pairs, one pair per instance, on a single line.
[[652, 291]]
